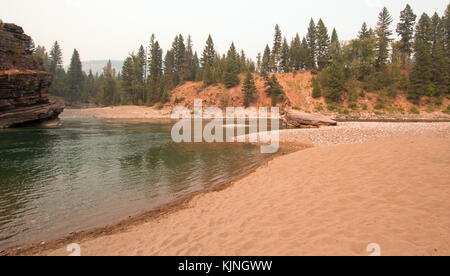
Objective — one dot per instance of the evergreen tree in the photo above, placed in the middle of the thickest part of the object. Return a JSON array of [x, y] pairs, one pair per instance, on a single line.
[[208, 57], [364, 32], [311, 38], [55, 58], [74, 78], [128, 75], [405, 29], [41, 52], [440, 60], [447, 30], [317, 92], [335, 46], [285, 58], [265, 64], [155, 64], [208, 53], [295, 53], [304, 54], [230, 76], [196, 70], [422, 72], [334, 80], [249, 89], [244, 63], [274, 90], [189, 67], [276, 50], [259, 62], [383, 37], [109, 91], [323, 43]]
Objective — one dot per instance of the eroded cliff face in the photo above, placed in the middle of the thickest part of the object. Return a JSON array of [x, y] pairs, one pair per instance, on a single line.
[[24, 83]]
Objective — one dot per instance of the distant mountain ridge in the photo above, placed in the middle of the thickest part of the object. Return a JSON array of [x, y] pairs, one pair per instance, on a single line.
[[97, 65]]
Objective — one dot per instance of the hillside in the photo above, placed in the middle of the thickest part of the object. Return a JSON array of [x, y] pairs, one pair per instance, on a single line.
[[297, 87]]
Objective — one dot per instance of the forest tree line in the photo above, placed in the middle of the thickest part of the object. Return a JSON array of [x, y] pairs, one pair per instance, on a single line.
[[416, 65]]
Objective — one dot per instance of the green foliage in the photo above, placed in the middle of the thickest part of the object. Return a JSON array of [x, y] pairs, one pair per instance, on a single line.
[[249, 90], [414, 110], [265, 63], [383, 35], [230, 76], [311, 38], [55, 58], [332, 79], [276, 50], [447, 111], [274, 90], [317, 90], [405, 29], [179, 100], [323, 44], [74, 78], [159, 106], [353, 105]]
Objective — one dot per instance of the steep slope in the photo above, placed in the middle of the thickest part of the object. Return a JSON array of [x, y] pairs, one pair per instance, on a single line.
[[297, 87]]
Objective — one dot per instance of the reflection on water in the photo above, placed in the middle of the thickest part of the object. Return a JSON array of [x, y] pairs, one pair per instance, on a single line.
[[89, 174]]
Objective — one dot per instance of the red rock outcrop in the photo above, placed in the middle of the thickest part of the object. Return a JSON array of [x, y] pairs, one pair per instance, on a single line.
[[24, 83]]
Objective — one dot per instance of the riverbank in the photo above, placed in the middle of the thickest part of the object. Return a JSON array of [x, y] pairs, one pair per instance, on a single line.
[[117, 112], [363, 183], [146, 113]]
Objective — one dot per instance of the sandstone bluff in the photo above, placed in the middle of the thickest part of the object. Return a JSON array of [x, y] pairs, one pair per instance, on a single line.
[[24, 83]]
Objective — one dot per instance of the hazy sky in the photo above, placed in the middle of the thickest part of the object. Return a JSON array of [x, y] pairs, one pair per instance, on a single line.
[[110, 29]]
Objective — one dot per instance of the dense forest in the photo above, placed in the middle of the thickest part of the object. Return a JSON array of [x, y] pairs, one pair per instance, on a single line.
[[417, 65]]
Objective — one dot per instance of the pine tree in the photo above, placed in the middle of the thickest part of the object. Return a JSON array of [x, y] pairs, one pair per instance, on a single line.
[[141, 67], [323, 43], [41, 52], [196, 71], [317, 92], [447, 30], [274, 90], [128, 79], [243, 65], [276, 50], [208, 53], [335, 46], [334, 81], [55, 58], [422, 72], [230, 76], [440, 60], [207, 61], [364, 32], [249, 89], [155, 64], [311, 37], [74, 78], [304, 54], [383, 37], [285, 58], [405, 29], [189, 67], [109, 91], [259, 62], [295, 53], [265, 64]]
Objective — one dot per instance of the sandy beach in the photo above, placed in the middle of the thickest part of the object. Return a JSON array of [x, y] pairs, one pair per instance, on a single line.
[[361, 183]]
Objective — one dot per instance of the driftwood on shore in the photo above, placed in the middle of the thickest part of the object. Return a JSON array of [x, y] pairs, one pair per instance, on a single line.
[[297, 119]]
